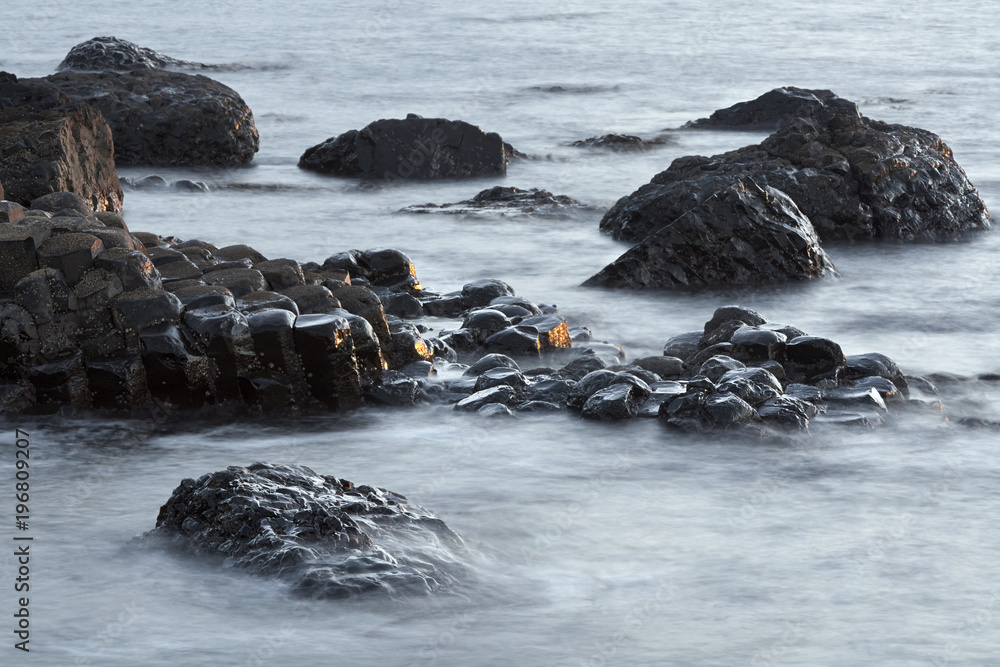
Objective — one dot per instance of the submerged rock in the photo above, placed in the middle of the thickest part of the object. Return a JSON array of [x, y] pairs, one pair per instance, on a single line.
[[623, 143], [508, 201], [856, 179], [741, 235], [328, 537], [414, 147]]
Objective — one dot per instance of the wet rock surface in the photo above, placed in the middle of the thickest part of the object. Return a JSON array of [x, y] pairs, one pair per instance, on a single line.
[[326, 536], [157, 117], [50, 144], [776, 107], [414, 147], [855, 178], [741, 235], [507, 201]]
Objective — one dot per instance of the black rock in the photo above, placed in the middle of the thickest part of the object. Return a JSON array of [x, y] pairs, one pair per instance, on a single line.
[[854, 178], [863, 365], [481, 293], [715, 367], [809, 357], [787, 411], [158, 117], [419, 148], [394, 388], [774, 108], [593, 382], [499, 394], [495, 377], [111, 53], [326, 349], [491, 361], [682, 346], [741, 235], [753, 344], [614, 403], [724, 409], [328, 537]]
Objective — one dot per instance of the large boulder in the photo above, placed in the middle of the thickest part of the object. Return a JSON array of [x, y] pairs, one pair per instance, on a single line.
[[158, 117], [328, 537], [414, 147], [48, 144], [773, 108], [855, 178], [743, 235]]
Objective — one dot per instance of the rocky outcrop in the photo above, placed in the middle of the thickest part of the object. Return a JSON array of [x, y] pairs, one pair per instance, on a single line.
[[48, 144], [414, 147], [773, 109], [741, 235], [856, 179], [623, 143], [326, 536], [506, 201], [96, 317], [157, 117]]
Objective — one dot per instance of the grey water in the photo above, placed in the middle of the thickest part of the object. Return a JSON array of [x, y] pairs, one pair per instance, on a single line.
[[588, 544]]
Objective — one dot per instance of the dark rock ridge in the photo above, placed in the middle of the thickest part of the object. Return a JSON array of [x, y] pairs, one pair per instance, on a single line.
[[506, 201], [157, 117], [49, 144], [326, 536], [95, 316], [414, 147], [623, 143], [110, 53], [774, 108], [741, 235], [856, 179]]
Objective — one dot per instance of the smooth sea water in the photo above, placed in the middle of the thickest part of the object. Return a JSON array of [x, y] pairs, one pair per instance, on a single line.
[[588, 544]]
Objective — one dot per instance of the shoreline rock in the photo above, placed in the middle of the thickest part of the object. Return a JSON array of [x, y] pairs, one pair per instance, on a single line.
[[506, 201], [50, 144]]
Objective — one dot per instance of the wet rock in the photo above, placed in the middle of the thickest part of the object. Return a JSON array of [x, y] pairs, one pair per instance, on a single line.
[[281, 273], [502, 302], [812, 357], [485, 322], [665, 366], [406, 346], [495, 377], [491, 361], [312, 298], [58, 383], [142, 308], [682, 346], [743, 234], [237, 252], [418, 148], [549, 390], [205, 296], [499, 394], [804, 392], [158, 117], [507, 201], [18, 253], [614, 403], [326, 349], [481, 293], [854, 178], [367, 349], [224, 334], [50, 145], [887, 389], [117, 384], [787, 411], [516, 340], [239, 281], [364, 302], [174, 272], [176, 373], [101, 53], [553, 331], [858, 397], [161, 256], [753, 385], [539, 406], [715, 367], [132, 267], [774, 108], [394, 388], [491, 410], [66, 203], [326, 536], [581, 366], [663, 392], [864, 365], [449, 305], [725, 409], [623, 143], [751, 344], [595, 381], [273, 333]]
